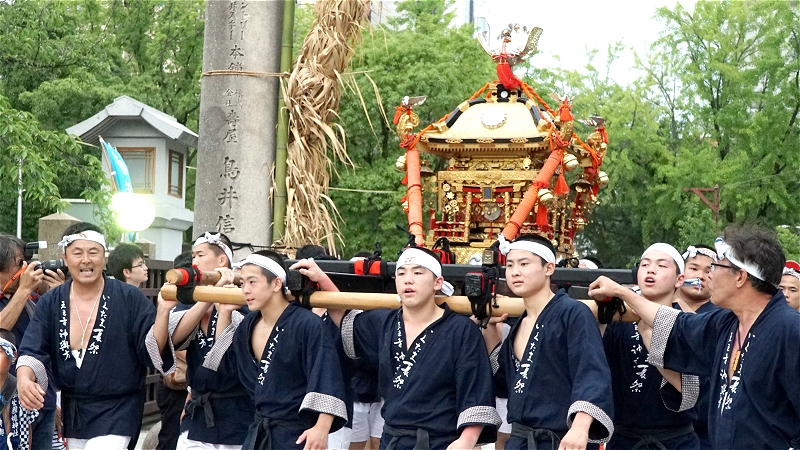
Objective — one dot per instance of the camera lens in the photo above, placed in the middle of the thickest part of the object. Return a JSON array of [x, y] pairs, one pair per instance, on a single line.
[[52, 264]]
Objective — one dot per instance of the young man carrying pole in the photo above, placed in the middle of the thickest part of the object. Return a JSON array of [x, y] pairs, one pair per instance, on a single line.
[[219, 409], [433, 371], [288, 362], [551, 367], [653, 406]]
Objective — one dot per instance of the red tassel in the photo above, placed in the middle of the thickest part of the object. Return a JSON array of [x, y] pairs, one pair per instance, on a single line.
[[541, 216], [506, 76], [398, 112], [405, 180], [561, 185]]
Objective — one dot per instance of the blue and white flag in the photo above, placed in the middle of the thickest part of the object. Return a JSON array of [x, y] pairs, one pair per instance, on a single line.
[[120, 177]]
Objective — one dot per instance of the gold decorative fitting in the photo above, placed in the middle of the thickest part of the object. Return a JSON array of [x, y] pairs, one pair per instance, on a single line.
[[400, 164], [450, 195], [526, 163], [445, 187], [484, 140], [494, 118], [463, 106], [546, 197], [519, 140], [602, 178], [580, 223], [571, 162], [453, 203], [454, 141]]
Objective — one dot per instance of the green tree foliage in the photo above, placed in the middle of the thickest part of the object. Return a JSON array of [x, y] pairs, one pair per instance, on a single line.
[[415, 54], [717, 105], [47, 156], [64, 61], [790, 240]]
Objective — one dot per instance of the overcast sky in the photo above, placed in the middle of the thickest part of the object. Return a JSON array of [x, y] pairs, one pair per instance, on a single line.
[[571, 26]]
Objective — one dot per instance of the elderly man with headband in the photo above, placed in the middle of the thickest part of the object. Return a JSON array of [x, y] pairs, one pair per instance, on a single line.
[[749, 348], [651, 405], [432, 369], [219, 410], [551, 366], [296, 382], [96, 335]]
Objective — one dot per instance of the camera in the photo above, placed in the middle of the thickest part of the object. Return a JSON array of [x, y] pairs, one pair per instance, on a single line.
[[52, 264], [31, 247]]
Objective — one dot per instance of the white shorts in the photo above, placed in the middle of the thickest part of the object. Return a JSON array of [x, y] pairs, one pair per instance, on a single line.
[[367, 421], [184, 443], [502, 409], [107, 442], [340, 440]]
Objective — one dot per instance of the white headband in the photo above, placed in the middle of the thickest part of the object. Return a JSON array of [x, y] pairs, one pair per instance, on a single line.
[[9, 348], [534, 247], [692, 251], [264, 263], [792, 272], [87, 235], [670, 251], [216, 239], [725, 251], [419, 258]]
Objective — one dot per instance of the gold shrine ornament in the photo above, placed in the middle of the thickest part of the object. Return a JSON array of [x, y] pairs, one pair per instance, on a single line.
[[494, 118]]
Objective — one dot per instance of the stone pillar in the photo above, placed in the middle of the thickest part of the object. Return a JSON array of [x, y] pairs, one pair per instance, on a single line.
[[238, 116], [51, 229], [148, 248]]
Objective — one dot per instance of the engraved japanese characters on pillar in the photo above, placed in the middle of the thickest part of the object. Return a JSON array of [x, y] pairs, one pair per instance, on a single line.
[[238, 112]]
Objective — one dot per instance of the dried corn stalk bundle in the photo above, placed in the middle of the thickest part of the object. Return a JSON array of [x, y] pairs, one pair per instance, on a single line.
[[312, 96]]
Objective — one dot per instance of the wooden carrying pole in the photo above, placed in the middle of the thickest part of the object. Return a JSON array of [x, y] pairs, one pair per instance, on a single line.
[[180, 277], [367, 300]]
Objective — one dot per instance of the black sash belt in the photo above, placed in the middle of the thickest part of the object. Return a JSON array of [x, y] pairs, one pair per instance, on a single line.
[[532, 435], [421, 435], [252, 440], [76, 402], [653, 436], [204, 401]]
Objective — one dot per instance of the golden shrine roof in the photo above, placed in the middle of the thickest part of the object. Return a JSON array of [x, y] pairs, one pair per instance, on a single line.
[[488, 126]]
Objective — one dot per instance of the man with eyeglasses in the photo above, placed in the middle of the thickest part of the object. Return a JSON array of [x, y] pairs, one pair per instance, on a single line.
[[126, 264], [749, 348]]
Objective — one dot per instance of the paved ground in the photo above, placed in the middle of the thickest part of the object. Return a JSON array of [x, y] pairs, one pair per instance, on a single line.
[[146, 426]]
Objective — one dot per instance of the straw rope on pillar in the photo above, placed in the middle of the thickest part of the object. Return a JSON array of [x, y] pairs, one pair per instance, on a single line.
[[312, 95]]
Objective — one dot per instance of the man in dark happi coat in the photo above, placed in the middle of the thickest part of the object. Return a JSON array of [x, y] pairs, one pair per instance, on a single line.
[[653, 406], [750, 348], [220, 408], [551, 367], [96, 335], [433, 371], [288, 362], [695, 296]]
